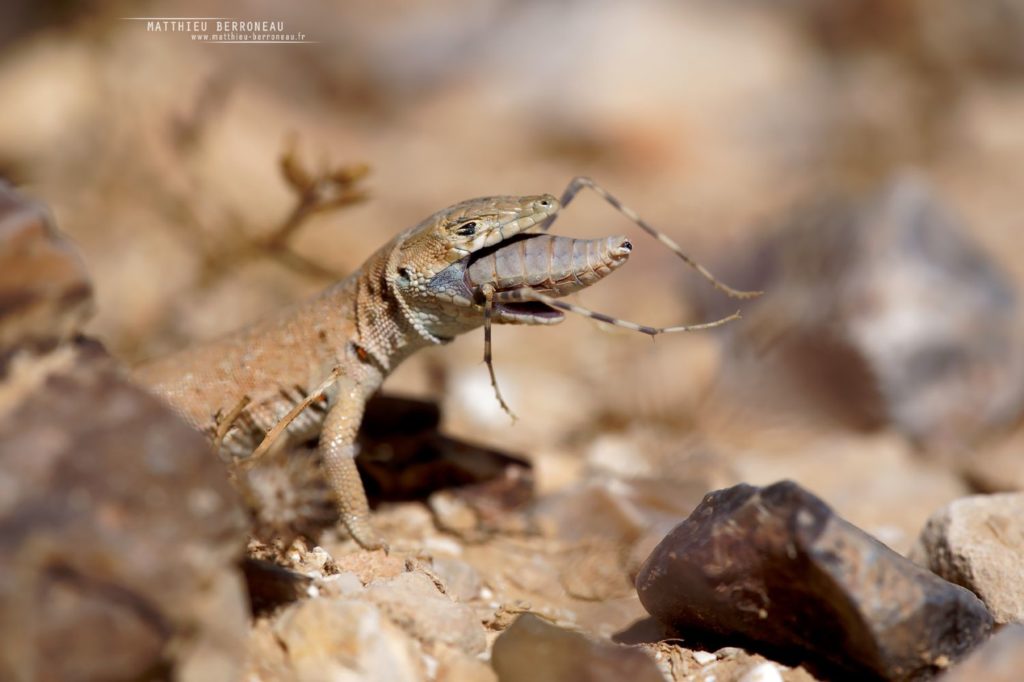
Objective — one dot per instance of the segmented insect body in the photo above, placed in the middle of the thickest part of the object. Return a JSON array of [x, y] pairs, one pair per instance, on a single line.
[[548, 264]]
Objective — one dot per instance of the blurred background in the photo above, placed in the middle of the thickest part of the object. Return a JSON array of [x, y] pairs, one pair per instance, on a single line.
[[860, 161]]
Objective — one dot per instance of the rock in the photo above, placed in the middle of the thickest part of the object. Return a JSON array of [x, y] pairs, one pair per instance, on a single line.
[[728, 664], [334, 639], [978, 542], [415, 604], [594, 571], [271, 586], [849, 331], [462, 581], [775, 567], [455, 666], [533, 650], [45, 294], [762, 672], [119, 531], [118, 524], [496, 504], [370, 565], [1000, 659]]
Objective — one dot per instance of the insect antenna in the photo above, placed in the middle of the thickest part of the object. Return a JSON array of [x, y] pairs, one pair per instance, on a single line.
[[579, 182]]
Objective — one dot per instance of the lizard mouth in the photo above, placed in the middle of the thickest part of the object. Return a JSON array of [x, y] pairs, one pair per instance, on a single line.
[[539, 313]]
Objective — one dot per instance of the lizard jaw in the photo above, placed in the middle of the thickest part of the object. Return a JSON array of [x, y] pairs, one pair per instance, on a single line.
[[527, 312]]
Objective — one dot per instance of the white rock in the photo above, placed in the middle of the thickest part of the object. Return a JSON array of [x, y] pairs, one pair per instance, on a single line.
[[704, 657], [763, 672]]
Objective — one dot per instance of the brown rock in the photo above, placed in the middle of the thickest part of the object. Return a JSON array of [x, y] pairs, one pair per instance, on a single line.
[[45, 295], [119, 531], [1000, 659], [978, 542], [112, 509], [775, 567], [370, 565], [533, 650]]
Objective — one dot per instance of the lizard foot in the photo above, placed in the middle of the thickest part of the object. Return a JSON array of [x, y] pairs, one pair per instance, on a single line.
[[363, 533]]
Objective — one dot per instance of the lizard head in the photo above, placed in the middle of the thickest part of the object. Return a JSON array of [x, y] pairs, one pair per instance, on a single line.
[[427, 268]]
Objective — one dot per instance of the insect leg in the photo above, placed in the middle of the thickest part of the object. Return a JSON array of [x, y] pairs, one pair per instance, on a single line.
[[488, 292], [527, 294], [579, 182]]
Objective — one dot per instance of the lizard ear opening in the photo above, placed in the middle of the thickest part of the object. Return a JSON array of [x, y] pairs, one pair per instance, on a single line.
[[403, 277]]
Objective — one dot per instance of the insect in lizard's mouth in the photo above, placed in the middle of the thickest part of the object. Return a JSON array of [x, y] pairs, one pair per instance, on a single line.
[[526, 271], [532, 311]]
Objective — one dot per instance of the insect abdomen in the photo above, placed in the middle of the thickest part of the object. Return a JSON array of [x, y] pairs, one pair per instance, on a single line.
[[550, 264]]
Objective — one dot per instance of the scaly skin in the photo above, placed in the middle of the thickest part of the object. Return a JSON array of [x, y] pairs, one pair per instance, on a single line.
[[409, 295]]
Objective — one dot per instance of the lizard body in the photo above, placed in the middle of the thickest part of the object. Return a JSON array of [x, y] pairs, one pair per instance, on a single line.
[[410, 294], [461, 268]]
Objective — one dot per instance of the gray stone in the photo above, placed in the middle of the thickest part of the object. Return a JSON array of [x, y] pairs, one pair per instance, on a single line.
[[872, 315], [978, 542], [533, 650]]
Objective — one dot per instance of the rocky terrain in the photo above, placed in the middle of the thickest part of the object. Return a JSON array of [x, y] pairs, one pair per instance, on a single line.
[[831, 488]]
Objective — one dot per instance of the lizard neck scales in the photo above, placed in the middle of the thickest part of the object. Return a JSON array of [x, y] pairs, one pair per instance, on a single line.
[[386, 327]]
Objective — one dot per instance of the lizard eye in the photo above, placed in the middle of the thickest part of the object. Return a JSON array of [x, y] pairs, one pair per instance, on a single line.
[[467, 229]]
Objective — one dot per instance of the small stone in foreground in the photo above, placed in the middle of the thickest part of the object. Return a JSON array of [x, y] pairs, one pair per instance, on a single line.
[[775, 566], [533, 650], [327, 639], [978, 542]]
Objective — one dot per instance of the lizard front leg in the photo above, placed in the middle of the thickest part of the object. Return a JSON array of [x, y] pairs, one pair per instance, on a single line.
[[338, 451]]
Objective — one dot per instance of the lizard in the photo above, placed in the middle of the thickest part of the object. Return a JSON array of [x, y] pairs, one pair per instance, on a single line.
[[410, 294]]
